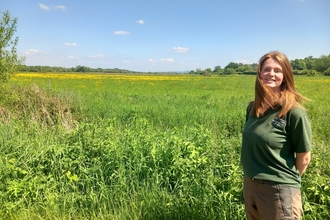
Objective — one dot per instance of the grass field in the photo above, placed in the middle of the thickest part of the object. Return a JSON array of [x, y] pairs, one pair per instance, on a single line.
[[88, 146]]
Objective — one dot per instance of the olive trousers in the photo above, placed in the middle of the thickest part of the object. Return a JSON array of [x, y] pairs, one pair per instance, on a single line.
[[266, 200]]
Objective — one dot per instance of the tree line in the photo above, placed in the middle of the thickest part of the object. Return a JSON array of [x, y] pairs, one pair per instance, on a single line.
[[308, 66], [79, 69]]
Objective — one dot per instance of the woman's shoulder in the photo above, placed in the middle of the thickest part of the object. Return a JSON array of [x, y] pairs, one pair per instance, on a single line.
[[298, 122], [249, 106], [297, 112]]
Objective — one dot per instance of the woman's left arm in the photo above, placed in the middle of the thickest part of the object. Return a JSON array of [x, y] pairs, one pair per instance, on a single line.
[[302, 161]]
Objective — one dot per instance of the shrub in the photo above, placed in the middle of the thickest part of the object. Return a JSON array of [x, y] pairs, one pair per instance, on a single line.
[[310, 72], [32, 104], [250, 72], [327, 72], [297, 72], [229, 71]]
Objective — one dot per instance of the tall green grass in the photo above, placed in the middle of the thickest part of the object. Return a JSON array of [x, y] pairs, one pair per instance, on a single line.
[[140, 149]]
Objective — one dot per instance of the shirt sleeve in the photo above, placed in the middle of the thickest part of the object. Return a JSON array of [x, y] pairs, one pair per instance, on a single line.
[[301, 133]]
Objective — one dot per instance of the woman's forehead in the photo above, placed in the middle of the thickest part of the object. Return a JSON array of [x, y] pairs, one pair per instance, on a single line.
[[271, 62]]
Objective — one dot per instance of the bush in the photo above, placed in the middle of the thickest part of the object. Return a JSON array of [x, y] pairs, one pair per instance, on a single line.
[[297, 72], [327, 72], [34, 105], [229, 71], [250, 72], [310, 72]]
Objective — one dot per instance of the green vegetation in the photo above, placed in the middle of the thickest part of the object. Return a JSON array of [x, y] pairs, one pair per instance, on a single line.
[[139, 148]]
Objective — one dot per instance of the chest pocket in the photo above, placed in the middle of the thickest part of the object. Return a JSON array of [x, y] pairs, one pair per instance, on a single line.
[[278, 136]]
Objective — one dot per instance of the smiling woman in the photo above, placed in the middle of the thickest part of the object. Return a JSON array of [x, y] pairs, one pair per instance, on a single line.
[[276, 143], [272, 90]]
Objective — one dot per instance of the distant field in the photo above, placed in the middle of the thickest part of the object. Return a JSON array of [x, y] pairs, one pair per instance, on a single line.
[[146, 147]]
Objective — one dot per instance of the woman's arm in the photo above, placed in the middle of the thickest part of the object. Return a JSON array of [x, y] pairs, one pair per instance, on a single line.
[[302, 161]]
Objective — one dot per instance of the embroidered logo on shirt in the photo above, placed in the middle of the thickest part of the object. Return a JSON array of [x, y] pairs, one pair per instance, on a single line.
[[279, 122]]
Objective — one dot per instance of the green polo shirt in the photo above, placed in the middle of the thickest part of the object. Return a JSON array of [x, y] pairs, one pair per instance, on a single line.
[[269, 145]]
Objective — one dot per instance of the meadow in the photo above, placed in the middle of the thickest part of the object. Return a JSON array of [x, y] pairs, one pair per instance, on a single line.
[[89, 146]]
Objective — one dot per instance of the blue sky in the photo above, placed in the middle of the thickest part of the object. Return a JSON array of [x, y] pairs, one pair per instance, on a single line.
[[171, 35]]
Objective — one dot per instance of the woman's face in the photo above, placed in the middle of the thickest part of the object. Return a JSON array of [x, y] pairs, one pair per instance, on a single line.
[[271, 74]]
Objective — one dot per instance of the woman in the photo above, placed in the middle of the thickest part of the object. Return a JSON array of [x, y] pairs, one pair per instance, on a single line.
[[276, 143]]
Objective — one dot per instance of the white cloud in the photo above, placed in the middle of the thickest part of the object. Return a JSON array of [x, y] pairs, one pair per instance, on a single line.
[[98, 56], [122, 32], [180, 49], [167, 60], [32, 51], [140, 22], [70, 44], [44, 7], [242, 61], [164, 60], [152, 61], [47, 7], [62, 7], [70, 57]]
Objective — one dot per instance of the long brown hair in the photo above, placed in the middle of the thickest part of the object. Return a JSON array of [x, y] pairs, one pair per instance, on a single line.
[[264, 96]]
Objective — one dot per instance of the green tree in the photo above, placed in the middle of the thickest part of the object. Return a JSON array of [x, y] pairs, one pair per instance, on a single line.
[[327, 72], [10, 63], [254, 66], [217, 69], [322, 63], [207, 72], [298, 64], [230, 71], [199, 71], [244, 68], [232, 65], [80, 68], [310, 62]]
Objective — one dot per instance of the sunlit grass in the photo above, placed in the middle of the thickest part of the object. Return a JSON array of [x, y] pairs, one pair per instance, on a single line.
[[145, 147]]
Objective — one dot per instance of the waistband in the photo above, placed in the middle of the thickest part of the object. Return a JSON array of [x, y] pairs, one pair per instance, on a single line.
[[260, 181]]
